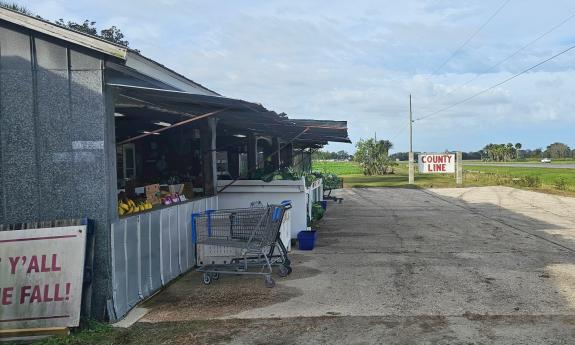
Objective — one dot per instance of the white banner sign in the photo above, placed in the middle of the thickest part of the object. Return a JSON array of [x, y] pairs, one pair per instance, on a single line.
[[436, 163], [41, 274]]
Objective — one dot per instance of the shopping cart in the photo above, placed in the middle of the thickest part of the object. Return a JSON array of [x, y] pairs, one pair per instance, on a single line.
[[254, 231]]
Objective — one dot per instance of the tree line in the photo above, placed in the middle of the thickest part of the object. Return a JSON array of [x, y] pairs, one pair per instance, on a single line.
[[508, 152], [372, 153], [327, 155]]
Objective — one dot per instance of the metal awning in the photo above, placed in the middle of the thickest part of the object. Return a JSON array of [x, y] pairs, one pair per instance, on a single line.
[[148, 105]]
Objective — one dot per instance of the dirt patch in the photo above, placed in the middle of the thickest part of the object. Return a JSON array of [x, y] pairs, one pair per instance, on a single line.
[[189, 299], [343, 330]]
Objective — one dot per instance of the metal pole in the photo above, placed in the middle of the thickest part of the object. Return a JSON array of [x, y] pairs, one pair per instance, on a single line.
[[411, 167]]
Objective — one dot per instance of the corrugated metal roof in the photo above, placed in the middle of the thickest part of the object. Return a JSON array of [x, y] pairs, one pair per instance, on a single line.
[[247, 116]]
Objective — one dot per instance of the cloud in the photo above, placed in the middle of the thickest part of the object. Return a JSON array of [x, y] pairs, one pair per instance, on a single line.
[[359, 61]]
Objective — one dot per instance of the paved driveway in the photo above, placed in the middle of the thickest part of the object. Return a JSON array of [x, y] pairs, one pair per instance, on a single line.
[[401, 266]]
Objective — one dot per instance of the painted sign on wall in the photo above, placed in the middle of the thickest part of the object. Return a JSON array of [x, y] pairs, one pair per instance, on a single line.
[[41, 274], [436, 163]]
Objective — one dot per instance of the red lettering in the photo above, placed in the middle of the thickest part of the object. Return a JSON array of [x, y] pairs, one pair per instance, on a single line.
[[33, 265], [36, 295], [43, 267], [55, 267], [443, 167], [47, 294], [7, 295], [24, 292], [57, 297], [13, 263]]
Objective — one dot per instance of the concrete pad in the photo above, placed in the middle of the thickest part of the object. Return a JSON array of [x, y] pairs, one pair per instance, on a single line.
[[133, 316], [441, 266]]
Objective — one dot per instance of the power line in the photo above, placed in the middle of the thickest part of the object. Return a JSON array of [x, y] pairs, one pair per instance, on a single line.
[[496, 85], [471, 37], [512, 54]]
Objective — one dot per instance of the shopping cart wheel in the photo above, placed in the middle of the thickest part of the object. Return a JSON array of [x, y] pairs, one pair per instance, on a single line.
[[284, 271], [215, 276], [270, 283], [206, 278]]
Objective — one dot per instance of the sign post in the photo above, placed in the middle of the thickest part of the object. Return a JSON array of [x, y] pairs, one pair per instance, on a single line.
[[459, 171], [41, 274], [411, 169]]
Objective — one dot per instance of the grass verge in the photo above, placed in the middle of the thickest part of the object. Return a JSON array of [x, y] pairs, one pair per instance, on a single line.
[[91, 333], [548, 180]]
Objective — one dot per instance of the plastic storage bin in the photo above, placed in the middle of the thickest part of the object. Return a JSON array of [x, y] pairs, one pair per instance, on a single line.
[[306, 239]]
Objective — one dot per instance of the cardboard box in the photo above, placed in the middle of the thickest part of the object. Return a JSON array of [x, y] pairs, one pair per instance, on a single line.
[[153, 194], [188, 190]]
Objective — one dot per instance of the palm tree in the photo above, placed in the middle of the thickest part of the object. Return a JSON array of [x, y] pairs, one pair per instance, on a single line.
[[518, 147]]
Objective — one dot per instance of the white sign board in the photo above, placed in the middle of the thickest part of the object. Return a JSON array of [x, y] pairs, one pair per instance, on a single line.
[[41, 274], [436, 163]]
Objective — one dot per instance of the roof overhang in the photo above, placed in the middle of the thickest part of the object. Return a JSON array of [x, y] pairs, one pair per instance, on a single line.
[[152, 104]]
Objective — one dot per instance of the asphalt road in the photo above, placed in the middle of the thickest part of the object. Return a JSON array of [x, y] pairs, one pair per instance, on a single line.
[[526, 165], [488, 265]]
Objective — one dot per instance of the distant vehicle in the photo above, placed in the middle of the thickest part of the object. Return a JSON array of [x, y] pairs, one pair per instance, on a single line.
[[546, 160]]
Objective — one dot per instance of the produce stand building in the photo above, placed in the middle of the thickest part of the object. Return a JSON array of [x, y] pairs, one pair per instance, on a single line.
[[82, 120]]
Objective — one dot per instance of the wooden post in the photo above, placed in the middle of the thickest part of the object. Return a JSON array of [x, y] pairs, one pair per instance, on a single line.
[[459, 168], [411, 169]]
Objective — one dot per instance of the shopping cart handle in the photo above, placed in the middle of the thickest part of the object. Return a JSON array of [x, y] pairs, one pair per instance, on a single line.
[[286, 204]]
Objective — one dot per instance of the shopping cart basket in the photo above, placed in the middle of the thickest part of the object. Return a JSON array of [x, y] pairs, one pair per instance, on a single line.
[[278, 253], [254, 231]]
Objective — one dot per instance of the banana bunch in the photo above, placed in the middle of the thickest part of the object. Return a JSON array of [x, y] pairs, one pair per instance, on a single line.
[[128, 206]]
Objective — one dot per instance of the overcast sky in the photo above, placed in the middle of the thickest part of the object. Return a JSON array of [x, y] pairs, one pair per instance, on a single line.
[[359, 60]]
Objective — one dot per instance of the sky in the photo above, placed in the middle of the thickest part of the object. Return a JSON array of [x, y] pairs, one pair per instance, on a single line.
[[359, 60]]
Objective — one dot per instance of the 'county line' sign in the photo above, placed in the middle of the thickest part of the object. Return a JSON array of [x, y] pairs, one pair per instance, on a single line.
[[436, 163]]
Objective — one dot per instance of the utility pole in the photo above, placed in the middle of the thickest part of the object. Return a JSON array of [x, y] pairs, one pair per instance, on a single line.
[[410, 165]]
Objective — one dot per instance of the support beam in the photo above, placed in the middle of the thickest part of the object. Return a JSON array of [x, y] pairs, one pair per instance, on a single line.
[[207, 147], [212, 123], [275, 159], [252, 152]]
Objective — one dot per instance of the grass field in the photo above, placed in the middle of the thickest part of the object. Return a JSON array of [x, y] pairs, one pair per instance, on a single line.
[[559, 181], [527, 161]]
